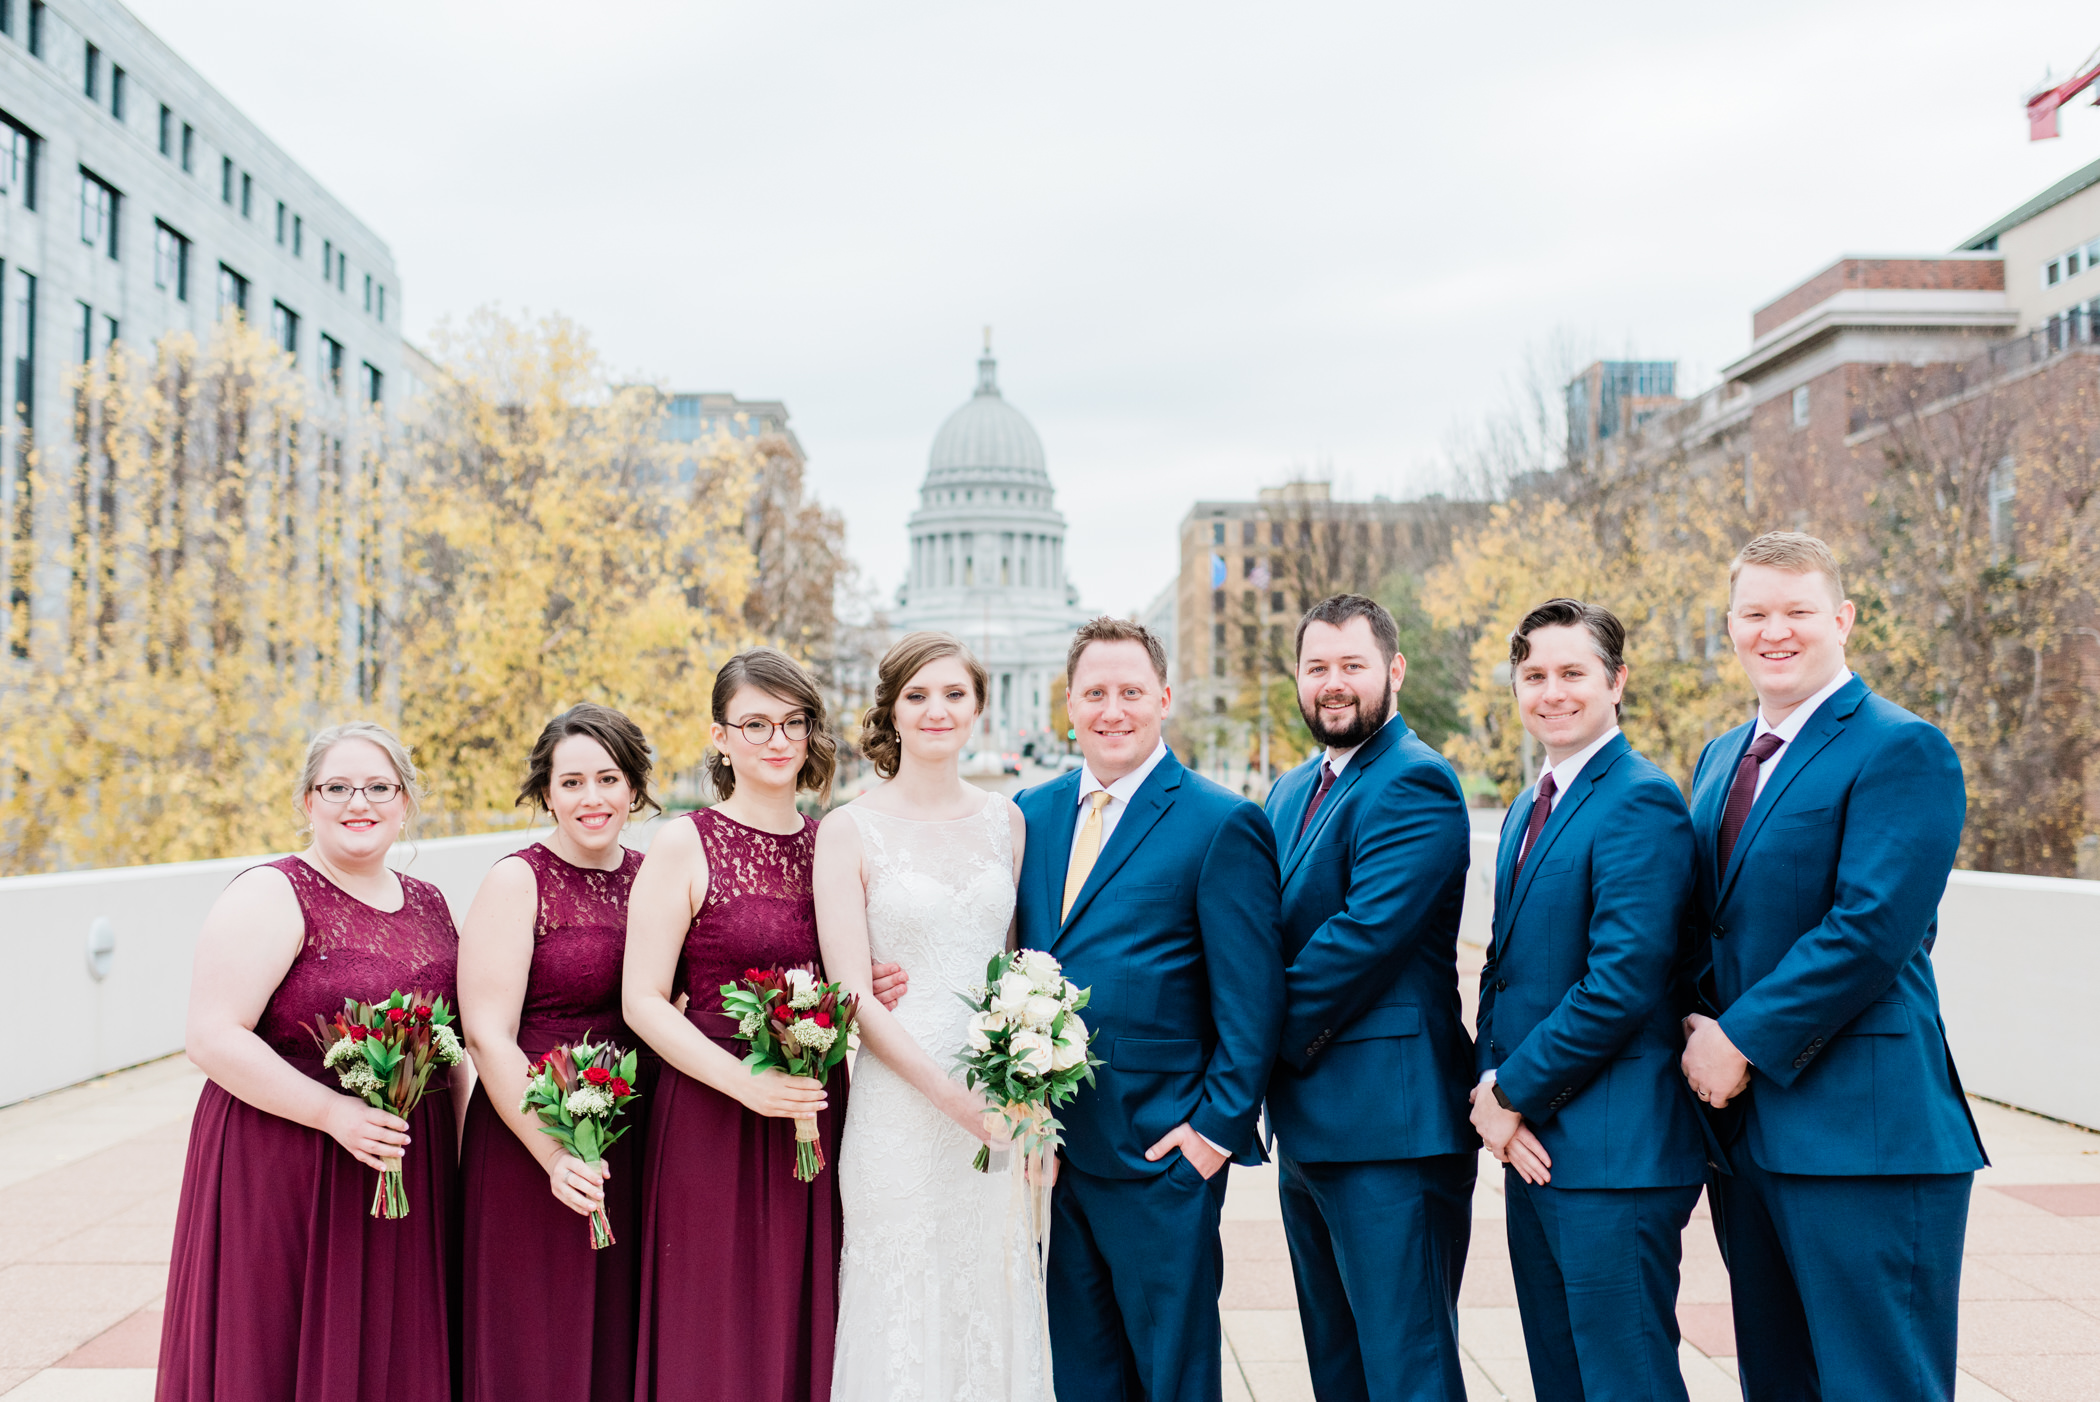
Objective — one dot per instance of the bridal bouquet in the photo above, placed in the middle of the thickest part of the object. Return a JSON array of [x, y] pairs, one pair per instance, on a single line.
[[794, 1021], [1027, 1046], [577, 1092], [383, 1053]]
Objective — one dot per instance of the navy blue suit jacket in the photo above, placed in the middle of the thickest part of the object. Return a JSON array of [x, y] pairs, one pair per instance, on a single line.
[[1374, 1062], [1175, 933], [1577, 1017], [1819, 936]]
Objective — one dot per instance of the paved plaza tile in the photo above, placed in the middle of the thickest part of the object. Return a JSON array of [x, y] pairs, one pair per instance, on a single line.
[[89, 1179]]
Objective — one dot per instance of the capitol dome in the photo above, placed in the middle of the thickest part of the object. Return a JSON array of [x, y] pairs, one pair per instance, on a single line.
[[987, 434]]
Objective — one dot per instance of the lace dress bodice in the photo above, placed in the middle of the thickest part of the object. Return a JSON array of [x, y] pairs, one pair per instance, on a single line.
[[759, 913], [579, 945], [939, 1296], [354, 950]]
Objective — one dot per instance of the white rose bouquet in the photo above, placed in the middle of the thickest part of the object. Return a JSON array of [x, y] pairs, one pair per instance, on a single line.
[[1028, 1047]]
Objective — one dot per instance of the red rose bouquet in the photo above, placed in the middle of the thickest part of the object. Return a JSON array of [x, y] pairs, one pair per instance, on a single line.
[[799, 1024], [383, 1053], [577, 1092]]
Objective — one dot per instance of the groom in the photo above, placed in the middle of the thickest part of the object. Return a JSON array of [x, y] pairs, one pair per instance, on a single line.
[[1156, 889]]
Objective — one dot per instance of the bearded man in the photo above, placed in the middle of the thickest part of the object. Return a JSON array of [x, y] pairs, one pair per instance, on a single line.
[[1368, 1098]]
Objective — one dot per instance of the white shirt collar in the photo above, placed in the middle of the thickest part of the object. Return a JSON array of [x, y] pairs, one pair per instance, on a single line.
[[1125, 788], [1570, 769], [1338, 760], [1787, 729]]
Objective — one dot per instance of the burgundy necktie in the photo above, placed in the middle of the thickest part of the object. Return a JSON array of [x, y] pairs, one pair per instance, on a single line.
[[1326, 783], [1742, 794], [1541, 810]]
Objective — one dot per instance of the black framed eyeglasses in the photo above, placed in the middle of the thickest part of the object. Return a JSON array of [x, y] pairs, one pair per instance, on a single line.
[[375, 794], [760, 732]]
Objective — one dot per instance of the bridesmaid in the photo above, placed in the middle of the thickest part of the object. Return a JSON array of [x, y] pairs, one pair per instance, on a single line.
[[740, 1264], [545, 1316], [282, 1284]]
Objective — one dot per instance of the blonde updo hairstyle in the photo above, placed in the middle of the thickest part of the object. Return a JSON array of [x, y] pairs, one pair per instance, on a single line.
[[879, 739], [405, 770], [780, 676]]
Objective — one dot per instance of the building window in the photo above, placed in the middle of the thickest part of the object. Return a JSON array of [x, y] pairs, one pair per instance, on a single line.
[[368, 292], [327, 260], [1217, 703], [1217, 533], [92, 74], [21, 325], [7, 18], [298, 236], [167, 131], [342, 273], [99, 201], [83, 332], [1247, 529], [233, 291], [116, 92], [1217, 601], [1217, 669], [189, 148], [382, 301], [247, 195], [2001, 500], [284, 329], [1276, 601], [2052, 274], [226, 180], [19, 152], [1217, 636], [283, 224], [1800, 406], [375, 384], [331, 363], [36, 40], [171, 261]]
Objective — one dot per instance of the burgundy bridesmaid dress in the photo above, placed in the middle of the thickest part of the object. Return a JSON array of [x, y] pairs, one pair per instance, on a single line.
[[740, 1262], [283, 1285], [544, 1316]]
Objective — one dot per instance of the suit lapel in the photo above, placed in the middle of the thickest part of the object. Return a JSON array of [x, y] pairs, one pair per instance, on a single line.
[[1710, 802], [1823, 727], [1373, 749], [1518, 818], [1147, 806], [1290, 813], [1563, 814]]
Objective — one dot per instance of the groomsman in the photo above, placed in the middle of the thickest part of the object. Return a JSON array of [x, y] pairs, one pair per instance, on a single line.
[[1156, 889], [1368, 1098], [1578, 1032], [1826, 828]]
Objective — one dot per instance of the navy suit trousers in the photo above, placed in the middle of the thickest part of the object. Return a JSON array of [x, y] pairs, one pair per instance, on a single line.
[[1378, 1250], [1135, 1270], [1844, 1288], [1596, 1272]]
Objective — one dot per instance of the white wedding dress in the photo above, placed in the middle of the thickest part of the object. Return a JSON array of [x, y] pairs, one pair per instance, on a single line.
[[940, 1298]]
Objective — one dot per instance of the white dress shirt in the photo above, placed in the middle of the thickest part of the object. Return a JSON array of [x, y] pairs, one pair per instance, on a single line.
[[1119, 794], [1338, 760], [1570, 769], [1787, 729]]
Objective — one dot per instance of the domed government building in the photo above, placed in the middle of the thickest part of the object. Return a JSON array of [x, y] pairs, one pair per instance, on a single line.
[[988, 562]]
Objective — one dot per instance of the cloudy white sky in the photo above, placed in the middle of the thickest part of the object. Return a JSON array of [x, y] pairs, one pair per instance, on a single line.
[[1218, 243]]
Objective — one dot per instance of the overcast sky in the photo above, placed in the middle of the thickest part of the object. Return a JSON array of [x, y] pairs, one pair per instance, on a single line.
[[1217, 243]]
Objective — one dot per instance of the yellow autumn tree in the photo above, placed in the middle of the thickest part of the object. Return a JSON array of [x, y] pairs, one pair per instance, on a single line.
[[558, 550], [204, 522]]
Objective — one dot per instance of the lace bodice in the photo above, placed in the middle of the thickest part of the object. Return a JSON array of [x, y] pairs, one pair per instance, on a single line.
[[759, 912], [939, 1298], [353, 950], [579, 943]]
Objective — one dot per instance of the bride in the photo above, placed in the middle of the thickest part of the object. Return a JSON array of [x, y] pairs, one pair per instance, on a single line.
[[940, 1295]]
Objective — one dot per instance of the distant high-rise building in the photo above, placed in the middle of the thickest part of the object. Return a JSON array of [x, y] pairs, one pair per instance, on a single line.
[[1614, 396]]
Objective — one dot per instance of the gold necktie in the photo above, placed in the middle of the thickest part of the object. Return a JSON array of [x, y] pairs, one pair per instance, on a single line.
[[1085, 848]]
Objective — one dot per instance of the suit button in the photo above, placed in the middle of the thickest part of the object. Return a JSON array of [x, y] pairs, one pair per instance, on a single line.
[[1816, 1044], [1719, 929], [1801, 1061], [1500, 984]]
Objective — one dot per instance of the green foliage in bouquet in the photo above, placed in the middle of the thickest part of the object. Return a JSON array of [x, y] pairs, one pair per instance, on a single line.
[[793, 1022], [577, 1092], [383, 1053]]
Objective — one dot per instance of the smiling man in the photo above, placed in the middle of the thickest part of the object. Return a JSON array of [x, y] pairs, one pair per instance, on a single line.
[[1156, 889], [1579, 1091], [1368, 1097], [1825, 830]]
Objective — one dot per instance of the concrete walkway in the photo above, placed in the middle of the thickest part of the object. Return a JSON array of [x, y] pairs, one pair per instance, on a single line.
[[89, 1178]]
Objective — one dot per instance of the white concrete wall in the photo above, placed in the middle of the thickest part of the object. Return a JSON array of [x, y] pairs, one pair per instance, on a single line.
[[65, 1025]]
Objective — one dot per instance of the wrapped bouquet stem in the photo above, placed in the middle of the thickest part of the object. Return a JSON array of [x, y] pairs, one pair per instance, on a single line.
[[796, 1023], [383, 1053]]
